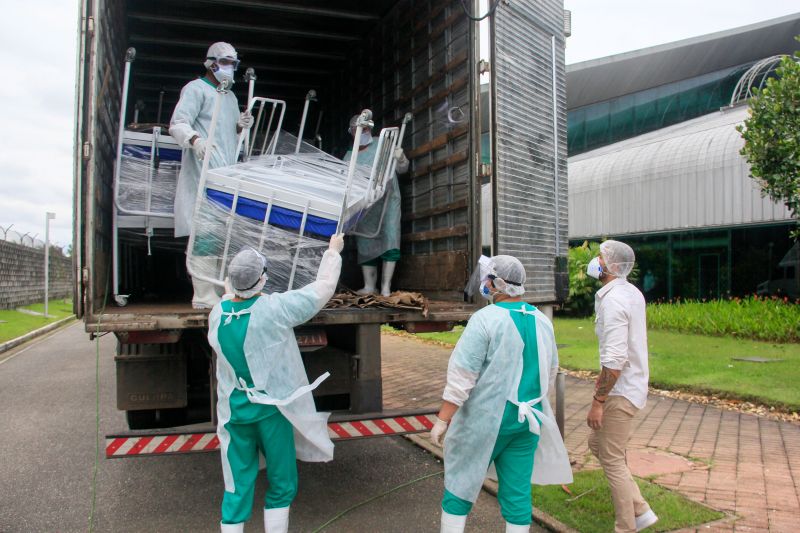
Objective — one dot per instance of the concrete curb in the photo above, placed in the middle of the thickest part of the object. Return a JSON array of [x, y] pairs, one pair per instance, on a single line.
[[13, 343], [490, 486]]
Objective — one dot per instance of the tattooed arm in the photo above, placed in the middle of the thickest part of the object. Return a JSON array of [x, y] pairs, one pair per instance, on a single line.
[[605, 382], [613, 356]]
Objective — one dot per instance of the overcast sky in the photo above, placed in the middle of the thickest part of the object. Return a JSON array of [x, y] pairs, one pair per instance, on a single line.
[[37, 93]]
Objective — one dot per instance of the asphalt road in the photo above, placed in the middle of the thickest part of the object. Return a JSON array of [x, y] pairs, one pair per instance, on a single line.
[[47, 446]]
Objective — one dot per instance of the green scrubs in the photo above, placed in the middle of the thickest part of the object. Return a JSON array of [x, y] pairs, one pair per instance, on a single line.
[[253, 428], [515, 447]]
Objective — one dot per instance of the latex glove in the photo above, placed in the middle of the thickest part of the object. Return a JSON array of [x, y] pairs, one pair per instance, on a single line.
[[245, 121], [438, 431], [337, 243], [400, 156], [199, 147]]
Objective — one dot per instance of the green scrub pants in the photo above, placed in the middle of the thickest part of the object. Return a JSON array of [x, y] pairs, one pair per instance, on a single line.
[[513, 458], [392, 255], [274, 437]]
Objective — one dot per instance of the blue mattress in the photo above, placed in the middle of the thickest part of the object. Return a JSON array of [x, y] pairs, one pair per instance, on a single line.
[[279, 216], [143, 152]]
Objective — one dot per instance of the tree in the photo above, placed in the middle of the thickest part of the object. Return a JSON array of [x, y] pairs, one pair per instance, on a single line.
[[772, 137]]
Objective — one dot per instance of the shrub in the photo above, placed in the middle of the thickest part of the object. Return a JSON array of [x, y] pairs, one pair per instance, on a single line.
[[754, 317], [580, 301]]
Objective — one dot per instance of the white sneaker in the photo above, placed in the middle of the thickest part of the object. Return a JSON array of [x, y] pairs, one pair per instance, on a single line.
[[514, 528], [232, 528], [646, 520]]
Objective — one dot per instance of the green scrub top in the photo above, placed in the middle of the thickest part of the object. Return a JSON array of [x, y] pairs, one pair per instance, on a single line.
[[231, 340], [529, 385]]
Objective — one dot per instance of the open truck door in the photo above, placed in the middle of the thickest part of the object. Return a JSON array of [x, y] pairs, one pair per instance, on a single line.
[[529, 126]]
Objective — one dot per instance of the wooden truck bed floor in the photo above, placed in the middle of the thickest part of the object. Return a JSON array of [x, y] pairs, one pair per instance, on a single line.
[[180, 315]]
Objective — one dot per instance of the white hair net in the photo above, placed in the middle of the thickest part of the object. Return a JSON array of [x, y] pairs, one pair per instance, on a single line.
[[510, 270], [618, 257], [247, 273], [218, 50]]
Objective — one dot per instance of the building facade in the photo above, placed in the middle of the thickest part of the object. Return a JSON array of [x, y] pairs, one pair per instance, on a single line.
[[654, 161]]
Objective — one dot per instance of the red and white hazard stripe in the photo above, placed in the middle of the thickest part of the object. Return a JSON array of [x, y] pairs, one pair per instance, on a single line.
[[161, 444], [397, 425], [148, 445]]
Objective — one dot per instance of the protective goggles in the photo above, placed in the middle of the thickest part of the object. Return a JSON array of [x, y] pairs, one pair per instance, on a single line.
[[263, 271], [226, 62]]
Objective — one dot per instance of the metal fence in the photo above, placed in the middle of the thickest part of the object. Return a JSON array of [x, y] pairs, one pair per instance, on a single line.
[[29, 239]]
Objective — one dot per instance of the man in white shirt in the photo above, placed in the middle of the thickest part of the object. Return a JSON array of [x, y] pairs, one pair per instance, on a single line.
[[621, 387]]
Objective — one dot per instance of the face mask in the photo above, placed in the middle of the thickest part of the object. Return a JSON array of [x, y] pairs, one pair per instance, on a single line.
[[224, 73], [485, 291], [366, 138], [594, 269]]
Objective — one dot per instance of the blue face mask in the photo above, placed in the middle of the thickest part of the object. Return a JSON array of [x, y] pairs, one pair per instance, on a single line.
[[485, 291]]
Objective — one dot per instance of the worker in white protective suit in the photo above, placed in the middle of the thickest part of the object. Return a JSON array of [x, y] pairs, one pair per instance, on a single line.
[[189, 126], [264, 400], [385, 246], [495, 410]]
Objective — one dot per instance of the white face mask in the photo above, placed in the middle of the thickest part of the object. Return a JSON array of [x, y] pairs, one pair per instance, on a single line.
[[366, 138], [594, 269], [224, 73]]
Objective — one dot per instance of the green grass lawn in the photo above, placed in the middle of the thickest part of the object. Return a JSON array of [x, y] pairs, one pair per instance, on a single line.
[[593, 511], [698, 363], [15, 324], [694, 363]]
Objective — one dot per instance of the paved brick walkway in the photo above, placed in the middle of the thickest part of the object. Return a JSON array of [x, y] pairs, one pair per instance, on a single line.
[[741, 464]]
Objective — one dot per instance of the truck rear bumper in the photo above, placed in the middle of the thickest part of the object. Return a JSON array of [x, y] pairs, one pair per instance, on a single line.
[[199, 439]]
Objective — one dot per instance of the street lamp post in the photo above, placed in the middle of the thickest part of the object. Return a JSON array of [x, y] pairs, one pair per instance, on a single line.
[[48, 218]]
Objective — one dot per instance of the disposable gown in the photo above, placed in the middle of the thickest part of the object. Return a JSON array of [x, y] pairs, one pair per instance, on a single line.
[[273, 359], [486, 367], [389, 236], [192, 116]]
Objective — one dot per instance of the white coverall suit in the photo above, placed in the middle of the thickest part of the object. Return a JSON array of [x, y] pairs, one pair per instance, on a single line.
[[192, 116]]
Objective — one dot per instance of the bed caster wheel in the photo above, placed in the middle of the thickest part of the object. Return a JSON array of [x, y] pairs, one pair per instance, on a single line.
[[121, 299]]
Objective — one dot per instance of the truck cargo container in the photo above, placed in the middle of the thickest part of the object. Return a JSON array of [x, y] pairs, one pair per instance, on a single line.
[[392, 56]]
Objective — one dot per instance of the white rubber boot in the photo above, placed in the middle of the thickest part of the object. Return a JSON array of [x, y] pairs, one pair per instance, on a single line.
[[276, 520], [232, 528], [386, 277], [206, 295], [514, 528], [452, 523], [370, 279]]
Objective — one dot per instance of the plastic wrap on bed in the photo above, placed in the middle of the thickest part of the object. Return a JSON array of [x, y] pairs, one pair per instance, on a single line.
[[147, 184], [312, 181], [210, 255]]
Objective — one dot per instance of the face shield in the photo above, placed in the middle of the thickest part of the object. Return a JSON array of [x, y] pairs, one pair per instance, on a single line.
[[490, 271]]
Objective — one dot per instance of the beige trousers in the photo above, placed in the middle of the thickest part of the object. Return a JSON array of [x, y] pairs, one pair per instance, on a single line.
[[608, 444]]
